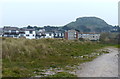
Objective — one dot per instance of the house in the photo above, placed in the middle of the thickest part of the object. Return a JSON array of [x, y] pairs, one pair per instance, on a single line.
[[75, 35], [49, 35], [40, 33], [30, 33], [71, 35], [19, 32], [1, 32], [115, 29], [59, 34], [22, 33], [10, 32], [89, 36]]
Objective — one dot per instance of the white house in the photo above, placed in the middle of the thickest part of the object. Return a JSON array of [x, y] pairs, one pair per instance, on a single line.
[[49, 35], [1, 32], [30, 33], [89, 36], [10, 32], [59, 35], [40, 33]]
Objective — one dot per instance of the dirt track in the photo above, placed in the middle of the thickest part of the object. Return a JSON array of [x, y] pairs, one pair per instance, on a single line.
[[104, 66]]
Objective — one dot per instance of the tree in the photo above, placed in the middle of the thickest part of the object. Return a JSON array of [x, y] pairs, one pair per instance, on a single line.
[[29, 27]]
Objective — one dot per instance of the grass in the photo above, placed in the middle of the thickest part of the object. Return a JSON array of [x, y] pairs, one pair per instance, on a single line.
[[63, 74], [22, 57], [117, 46]]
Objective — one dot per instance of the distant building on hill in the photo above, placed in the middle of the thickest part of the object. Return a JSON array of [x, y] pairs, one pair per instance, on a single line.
[[115, 29]]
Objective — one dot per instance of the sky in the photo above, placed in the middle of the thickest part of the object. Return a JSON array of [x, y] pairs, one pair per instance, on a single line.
[[41, 13]]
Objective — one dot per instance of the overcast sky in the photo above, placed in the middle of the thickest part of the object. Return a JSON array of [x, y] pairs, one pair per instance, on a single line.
[[55, 12]]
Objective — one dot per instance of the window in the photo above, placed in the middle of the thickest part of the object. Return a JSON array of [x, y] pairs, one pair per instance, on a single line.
[[50, 34], [31, 32], [21, 35], [56, 34], [6, 31], [27, 35], [13, 31], [15, 35], [61, 34]]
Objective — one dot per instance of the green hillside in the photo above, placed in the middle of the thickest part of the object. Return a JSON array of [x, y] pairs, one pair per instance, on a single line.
[[89, 24]]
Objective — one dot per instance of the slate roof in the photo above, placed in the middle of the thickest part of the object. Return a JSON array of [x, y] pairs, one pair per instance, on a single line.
[[10, 28]]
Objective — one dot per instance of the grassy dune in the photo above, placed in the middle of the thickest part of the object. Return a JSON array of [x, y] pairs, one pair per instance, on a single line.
[[23, 57]]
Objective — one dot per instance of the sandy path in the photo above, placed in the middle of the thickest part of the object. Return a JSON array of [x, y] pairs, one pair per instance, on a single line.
[[104, 66]]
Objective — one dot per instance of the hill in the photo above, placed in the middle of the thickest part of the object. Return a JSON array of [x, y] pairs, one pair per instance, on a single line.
[[88, 24]]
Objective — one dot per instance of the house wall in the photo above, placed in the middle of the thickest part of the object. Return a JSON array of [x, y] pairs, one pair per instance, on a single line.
[[21, 35], [58, 35], [11, 33], [66, 35], [90, 36], [71, 35], [0, 35], [30, 35], [49, 35]]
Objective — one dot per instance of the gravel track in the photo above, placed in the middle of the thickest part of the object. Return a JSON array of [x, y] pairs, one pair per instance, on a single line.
[[104, 66]]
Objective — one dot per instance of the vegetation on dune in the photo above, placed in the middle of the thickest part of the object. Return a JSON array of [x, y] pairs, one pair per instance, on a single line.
[[25, 57]]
